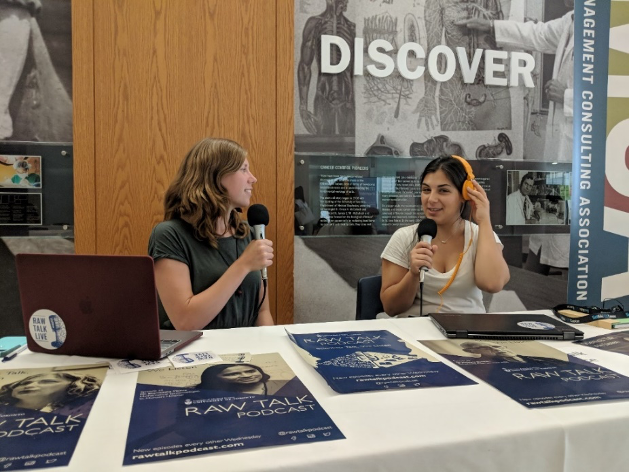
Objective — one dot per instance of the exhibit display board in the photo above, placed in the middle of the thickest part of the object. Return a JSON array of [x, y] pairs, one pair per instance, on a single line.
[[533, 93]]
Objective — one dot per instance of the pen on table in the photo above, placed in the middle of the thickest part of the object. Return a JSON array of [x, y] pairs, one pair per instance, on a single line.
[[14, 354]]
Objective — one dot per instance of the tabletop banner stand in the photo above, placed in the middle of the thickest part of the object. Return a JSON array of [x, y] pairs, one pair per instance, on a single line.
[[614, 342], [357, 361], [222, 407], [43, 412], [533, 374]]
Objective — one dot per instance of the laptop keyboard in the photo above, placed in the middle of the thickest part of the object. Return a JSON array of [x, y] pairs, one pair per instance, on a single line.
[[166, 343]]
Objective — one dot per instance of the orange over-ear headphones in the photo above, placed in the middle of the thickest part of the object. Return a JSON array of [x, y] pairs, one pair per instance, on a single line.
[[470, 176]]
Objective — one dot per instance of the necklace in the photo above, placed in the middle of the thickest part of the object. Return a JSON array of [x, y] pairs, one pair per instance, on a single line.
[[227, 264], [453, 232]]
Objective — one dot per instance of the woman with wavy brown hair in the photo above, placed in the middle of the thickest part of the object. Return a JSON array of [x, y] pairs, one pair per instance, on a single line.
[[207, 267]]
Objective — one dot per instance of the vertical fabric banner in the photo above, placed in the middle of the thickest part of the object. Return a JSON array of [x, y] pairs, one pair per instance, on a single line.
[[600, 225]]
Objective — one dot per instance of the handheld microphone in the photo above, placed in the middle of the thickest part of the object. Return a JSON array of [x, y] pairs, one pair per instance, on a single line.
[[426, 230], [258, 218]]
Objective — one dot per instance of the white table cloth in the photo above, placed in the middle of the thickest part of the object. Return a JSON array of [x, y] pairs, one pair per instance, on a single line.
[[463, 428]]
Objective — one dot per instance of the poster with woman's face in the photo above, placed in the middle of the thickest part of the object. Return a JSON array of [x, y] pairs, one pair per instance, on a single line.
[[229, 405], [43, 412], [263, 373], [50, 389]]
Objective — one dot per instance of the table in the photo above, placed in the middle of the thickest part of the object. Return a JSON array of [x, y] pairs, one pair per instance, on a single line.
[[464, 428]]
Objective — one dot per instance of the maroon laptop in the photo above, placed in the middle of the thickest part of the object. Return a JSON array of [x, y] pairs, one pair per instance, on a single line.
[[98, 306]]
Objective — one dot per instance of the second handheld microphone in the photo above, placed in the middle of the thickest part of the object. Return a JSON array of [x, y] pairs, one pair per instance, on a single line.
[[426, 230], [258, 218]]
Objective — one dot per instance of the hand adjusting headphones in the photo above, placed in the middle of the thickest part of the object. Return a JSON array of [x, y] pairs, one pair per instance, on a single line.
[[470, 176]]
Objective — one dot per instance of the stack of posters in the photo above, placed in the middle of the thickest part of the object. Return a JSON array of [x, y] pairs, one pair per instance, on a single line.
[[532, 373], [228, 406], [356, 361], [43, 412]]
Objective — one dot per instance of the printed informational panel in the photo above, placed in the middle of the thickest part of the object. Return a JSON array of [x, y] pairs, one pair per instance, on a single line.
[[350, 195], [21, 209], [222, 407], [36, 188], [43, 412]]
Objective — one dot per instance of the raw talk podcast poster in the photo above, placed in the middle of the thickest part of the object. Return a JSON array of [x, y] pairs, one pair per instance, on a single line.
[[43, 412], [222, 407], [614, 342], [357, 361], [533, 374]]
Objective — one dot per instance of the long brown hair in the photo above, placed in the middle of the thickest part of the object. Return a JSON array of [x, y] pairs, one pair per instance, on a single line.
[[197, 196]]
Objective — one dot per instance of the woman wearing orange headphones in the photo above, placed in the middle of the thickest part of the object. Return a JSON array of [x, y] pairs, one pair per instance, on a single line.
[[463, 259]]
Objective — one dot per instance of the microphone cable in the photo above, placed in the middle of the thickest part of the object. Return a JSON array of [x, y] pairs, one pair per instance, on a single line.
[[456, 267], [421, 297], [257, 312], [426, 227]]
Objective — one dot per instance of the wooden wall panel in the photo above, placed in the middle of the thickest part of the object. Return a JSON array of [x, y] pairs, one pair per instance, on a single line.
[[285, 164], [83, 118], [167, 73]]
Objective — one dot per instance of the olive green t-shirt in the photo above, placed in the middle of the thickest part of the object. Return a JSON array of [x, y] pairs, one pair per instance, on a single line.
[[174, 239]]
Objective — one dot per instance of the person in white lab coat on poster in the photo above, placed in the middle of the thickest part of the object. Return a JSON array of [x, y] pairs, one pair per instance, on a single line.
[[551, 37]]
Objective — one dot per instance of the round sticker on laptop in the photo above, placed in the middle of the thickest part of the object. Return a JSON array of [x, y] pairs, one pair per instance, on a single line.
[[47, 329], [536, 325]]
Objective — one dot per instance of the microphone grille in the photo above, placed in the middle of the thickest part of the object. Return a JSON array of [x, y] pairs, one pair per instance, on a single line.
[[427, 227], [257, 214]]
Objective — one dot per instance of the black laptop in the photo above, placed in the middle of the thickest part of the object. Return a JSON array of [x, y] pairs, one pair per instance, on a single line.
[[91, 305], [519, 326]]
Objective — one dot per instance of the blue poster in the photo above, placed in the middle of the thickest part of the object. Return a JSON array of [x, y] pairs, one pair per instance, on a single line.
[[43, 412], [614, 342], [229, 406], [533, 374], [357, 361]]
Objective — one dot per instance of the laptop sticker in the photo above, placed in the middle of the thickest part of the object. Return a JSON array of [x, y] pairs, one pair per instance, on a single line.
[[47, 329], [536, 325]]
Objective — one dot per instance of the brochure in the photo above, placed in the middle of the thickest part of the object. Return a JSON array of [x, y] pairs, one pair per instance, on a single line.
[[226, 406], [43, 412], [357, 361], [533, 373]]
